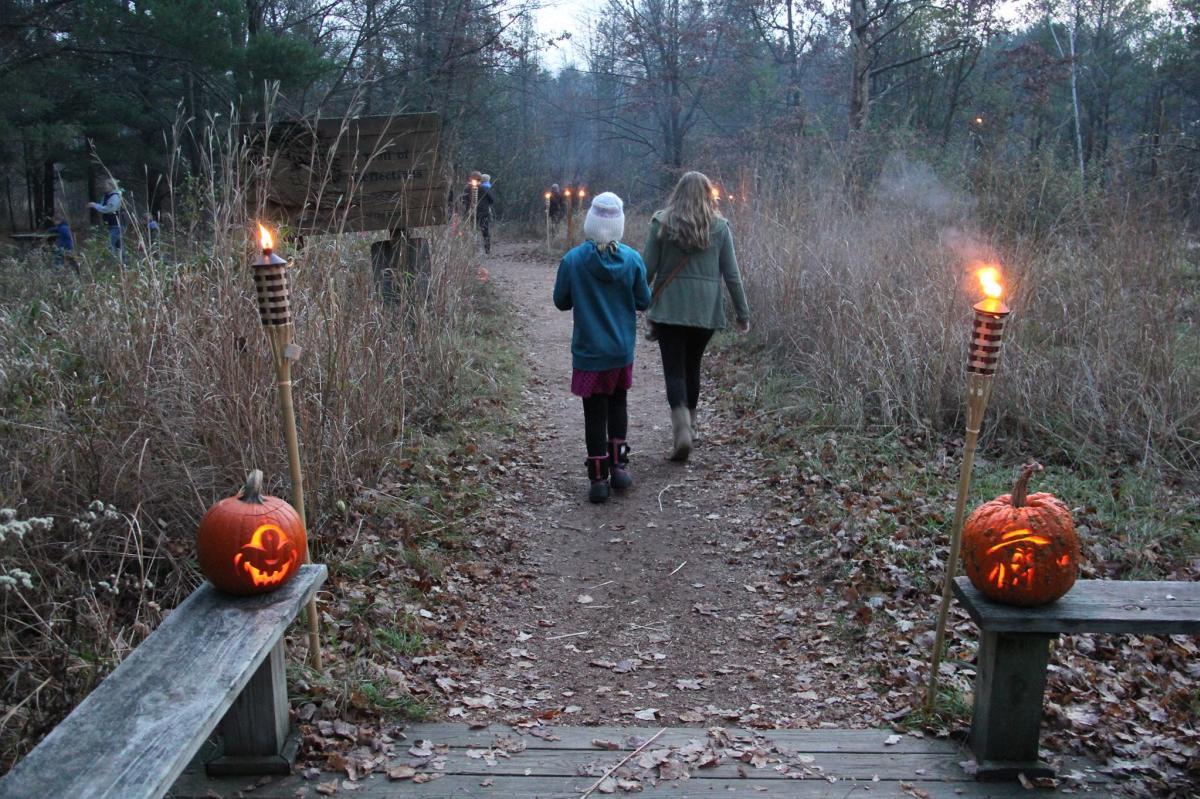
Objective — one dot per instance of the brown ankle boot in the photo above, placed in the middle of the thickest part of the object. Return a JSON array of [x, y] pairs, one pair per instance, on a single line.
[[681, 428]]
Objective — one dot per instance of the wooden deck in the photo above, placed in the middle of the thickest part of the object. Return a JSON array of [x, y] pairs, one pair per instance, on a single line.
[[503, 763]]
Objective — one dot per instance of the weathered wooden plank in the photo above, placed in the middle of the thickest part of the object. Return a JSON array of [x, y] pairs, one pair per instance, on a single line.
[[570, 762], [356, 219], [135, 733], [466, 787], [827, 740], [383, 124], [353, 176], [1095, 606]]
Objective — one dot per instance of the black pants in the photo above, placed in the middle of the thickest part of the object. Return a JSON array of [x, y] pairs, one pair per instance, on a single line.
[[485, 230], [682, 350], [605, 416]]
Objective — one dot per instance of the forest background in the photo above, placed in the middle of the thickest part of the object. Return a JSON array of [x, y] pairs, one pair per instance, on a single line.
[[868, 153]]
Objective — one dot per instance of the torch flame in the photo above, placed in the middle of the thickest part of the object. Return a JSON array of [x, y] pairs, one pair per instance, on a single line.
[[265, 238], [547, 195], [989, 280]]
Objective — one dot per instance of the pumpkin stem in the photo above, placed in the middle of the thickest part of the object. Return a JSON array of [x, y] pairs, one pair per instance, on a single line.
[[252, 490], [1021, 488]]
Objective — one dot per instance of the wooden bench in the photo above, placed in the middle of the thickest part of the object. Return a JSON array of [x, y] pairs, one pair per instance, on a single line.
[[1014, 650], [215, 659]]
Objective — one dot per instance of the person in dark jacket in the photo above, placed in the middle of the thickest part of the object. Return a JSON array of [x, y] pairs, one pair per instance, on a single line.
[[603, 283], [109, 209], [64, 241], [689, 254], [558, 207], [484, 200]]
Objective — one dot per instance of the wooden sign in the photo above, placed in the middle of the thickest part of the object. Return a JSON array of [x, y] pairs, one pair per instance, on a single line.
[[368, 173]]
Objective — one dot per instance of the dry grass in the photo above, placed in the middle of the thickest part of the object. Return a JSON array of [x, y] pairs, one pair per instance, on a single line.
[[150, 387], [871, 307]]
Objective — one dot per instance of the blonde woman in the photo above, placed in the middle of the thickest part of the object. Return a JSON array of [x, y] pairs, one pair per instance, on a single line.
[[688, 254]]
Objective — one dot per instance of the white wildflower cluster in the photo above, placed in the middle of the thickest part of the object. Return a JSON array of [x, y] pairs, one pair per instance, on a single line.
[[14, 578], [11, 525], [96, 512]]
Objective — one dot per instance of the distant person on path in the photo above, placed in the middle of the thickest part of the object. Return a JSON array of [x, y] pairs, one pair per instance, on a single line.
[[484, 200], [558, 207], [604, 283], [688, 253], [109, 208]]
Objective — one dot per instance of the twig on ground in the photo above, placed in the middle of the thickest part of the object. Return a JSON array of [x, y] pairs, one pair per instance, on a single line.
[[677, 568], [606, 582], [567, 635], [665, 489], [622, 762], [646, 626]]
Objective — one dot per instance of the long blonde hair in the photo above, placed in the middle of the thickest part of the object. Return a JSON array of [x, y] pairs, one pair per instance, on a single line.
[[689, 213]]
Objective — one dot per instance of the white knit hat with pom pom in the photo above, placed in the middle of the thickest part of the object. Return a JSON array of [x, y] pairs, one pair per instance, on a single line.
[[605, 222]]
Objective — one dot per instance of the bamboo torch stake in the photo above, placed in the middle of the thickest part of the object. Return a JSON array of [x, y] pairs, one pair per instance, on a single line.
[[986, 338], [274, 309], [580, 194], [547, 198], [570, 219]]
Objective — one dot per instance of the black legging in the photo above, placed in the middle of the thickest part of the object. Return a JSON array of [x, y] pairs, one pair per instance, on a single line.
[[605, 417], [682, 350]]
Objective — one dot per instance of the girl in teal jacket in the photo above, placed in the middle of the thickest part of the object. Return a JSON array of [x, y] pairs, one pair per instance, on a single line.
[[603, 283]]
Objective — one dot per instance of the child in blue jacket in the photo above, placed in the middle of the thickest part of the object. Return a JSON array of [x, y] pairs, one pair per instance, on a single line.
[[604, 283]]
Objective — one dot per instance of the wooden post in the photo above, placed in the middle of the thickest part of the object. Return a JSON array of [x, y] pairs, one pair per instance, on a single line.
[[397, 261], [570, 220], [1007, 716], [255, 728]]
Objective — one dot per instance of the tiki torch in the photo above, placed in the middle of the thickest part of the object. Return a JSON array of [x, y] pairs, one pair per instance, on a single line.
[[580, 194], [570, 219], [474, 199], [275, 311], [987, 333], [547, 198]]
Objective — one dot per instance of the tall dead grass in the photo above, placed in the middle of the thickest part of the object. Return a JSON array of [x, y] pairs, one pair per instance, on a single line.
[[871, 307], [133, 397]]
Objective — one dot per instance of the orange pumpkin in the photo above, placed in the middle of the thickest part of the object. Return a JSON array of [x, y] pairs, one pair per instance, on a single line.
[[1021, 549], [251, 543]]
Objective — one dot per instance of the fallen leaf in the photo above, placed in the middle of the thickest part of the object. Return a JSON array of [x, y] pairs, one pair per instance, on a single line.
[[401, 773]]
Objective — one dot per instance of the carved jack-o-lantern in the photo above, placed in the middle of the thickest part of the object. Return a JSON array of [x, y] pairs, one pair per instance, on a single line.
[[251, 543], [1021, 549]]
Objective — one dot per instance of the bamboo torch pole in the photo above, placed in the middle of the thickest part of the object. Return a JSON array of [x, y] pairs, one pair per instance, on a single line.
[[274, 309], [547, 198], [580, 195], [986, 338], [570, 219]]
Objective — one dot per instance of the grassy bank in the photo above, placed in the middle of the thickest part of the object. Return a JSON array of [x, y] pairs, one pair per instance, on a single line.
[[134, 397]]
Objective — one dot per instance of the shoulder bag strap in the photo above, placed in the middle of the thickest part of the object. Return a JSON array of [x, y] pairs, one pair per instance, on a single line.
[[660, 285]]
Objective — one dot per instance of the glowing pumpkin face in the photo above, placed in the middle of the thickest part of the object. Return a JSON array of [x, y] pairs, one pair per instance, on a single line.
[[251, 543], [1021, 549], [269, 557]]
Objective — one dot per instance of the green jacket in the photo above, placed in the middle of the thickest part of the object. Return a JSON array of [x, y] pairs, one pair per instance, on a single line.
[[694, 298]]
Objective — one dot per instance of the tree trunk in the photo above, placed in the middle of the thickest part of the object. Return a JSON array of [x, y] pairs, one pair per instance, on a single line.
[[48, 175], [860, 75]]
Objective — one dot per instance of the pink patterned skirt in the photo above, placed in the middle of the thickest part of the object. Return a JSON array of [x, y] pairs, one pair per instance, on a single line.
[[585, 384]]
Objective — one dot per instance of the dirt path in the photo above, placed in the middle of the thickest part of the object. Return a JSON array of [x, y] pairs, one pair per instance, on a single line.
[[659, 605]]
